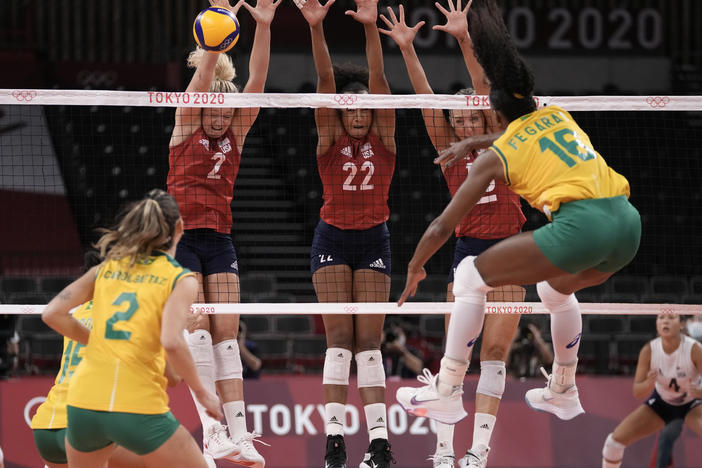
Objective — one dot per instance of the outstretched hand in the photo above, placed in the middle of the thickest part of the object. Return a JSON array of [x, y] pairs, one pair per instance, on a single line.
[[225, 4], [455, 152], [264, 11], [366, 11], [413, 279], [313, 11], [402, 34], [456, 19]]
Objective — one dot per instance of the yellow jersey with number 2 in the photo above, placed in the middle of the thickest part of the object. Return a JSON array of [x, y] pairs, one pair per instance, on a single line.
[[548, 160], [124, 362], [52, 413]]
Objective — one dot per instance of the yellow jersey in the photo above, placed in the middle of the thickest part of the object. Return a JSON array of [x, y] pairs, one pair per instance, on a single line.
[[124, 362], [52, 413], [548, 160]]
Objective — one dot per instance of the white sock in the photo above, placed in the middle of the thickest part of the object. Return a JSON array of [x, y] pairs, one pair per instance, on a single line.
[[444, 438], [563, 377], [451, 375], [606, 464], [235, 412], [200, 344], [482, 429], [376, 419], [336, 418]]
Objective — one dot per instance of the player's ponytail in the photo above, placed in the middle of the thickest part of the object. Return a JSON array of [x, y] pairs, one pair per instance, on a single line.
[[145, 226], [224, 71], [511, 79]]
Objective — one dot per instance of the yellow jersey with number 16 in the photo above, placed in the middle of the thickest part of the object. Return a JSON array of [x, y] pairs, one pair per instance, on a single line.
[[52, 413], [548, 160], [124, 362]]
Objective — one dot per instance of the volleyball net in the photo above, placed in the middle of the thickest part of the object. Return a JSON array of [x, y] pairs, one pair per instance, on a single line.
[[72, 159]]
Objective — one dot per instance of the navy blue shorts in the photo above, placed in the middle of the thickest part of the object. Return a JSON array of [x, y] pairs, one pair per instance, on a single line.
[[208, 252], [368, 249], [469, 247], [668, 412]]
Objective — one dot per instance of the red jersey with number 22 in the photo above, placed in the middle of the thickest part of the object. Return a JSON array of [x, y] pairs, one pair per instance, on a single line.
[[498, 214], [356, 176], [201, 178]]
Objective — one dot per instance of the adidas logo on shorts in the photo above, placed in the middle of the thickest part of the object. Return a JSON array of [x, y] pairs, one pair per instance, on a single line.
[[378, 264]]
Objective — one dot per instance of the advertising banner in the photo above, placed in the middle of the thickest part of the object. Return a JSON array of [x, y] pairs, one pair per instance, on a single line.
[[287, 411]]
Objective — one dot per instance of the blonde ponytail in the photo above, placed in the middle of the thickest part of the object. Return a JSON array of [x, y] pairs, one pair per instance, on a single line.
[[147, 225]]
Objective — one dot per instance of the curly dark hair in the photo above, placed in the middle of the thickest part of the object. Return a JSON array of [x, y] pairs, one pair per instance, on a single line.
[[511, 79], [350, 78]]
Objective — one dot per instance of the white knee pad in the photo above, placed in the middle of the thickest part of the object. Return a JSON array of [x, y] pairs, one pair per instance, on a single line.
[[492, 379], [613, 450], [200, 344], [227, 361], [468, 285], [369, 366], [337, 366], [553, 300]]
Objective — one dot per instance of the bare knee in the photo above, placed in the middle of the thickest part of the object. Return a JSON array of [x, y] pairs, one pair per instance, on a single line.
[[494, 352], [340, 339], [367, 344]]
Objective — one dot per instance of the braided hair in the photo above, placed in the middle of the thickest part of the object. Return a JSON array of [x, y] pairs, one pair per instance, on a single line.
[[511, 79]]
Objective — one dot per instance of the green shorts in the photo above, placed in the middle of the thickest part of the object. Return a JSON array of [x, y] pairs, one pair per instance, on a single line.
[[90, 430], [601, 233], [51, 444]]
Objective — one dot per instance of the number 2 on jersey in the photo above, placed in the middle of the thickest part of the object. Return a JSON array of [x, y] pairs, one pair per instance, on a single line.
[[110, 332], [572, 146], [367, 166], [220, 158]]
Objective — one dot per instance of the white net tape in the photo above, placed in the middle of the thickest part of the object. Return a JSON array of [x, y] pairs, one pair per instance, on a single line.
[[410, 308], [368, 101]]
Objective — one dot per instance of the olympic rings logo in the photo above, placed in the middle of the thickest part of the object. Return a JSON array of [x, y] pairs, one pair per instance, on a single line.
[[667, 310], [350, 309], [345, 99], [657, 101], [24, 96]]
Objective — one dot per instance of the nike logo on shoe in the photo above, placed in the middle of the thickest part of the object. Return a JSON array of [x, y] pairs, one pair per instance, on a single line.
[[414, 400]]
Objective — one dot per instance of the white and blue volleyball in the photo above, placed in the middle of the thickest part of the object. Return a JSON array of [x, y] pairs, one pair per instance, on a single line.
[[216, 29]]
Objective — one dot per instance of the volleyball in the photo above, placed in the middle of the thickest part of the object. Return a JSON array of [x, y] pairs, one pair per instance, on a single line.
[[216, 29]]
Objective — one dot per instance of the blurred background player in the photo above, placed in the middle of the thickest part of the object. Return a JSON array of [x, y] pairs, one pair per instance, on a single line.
[[350, 255], [140, 297], [669, 373], [570, 183], [205, 151], [497, 215], [50, 420]]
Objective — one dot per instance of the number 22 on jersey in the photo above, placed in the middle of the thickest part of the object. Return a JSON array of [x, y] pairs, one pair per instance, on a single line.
[[367, 170]]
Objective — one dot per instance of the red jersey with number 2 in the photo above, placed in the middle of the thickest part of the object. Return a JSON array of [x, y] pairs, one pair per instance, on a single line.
[[201, 178], [356, 176], [498, 213]]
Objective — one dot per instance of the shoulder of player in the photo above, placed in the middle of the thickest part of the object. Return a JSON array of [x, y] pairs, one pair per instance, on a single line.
[[695, 350]]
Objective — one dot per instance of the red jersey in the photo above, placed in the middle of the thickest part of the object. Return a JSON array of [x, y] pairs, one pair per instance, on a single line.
[[356, 176], [201, 178], [498, 214]]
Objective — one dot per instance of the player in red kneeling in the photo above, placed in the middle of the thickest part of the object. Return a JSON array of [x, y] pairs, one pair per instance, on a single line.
[[205, 151], [350, 255]]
